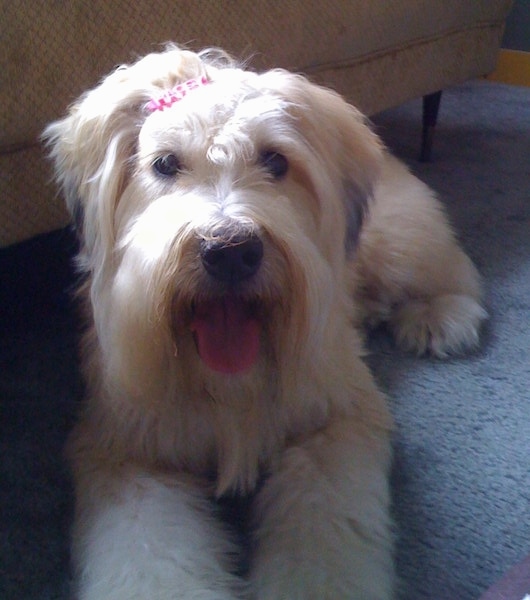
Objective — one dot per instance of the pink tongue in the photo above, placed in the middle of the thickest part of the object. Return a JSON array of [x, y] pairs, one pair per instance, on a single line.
[[227, 336]]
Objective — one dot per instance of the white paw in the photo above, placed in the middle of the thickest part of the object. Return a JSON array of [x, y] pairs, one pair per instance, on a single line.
[[443, 325]]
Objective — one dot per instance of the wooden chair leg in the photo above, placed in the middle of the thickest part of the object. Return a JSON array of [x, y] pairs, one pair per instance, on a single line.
[[431, 105]]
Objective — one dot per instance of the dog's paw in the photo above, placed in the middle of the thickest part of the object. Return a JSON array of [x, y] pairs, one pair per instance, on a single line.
[[443, 325]]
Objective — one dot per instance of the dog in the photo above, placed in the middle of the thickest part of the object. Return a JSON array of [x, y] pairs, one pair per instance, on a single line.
[[236, 231]]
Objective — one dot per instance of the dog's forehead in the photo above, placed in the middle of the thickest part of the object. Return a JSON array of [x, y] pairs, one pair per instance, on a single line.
[[233, 99]]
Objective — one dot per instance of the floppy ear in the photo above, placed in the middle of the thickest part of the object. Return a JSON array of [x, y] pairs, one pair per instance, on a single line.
[[93, 145], [360, 159], [356, 150], [342, 137]]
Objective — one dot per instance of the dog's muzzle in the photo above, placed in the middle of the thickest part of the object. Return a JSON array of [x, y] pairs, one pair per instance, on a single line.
[[226, 325]]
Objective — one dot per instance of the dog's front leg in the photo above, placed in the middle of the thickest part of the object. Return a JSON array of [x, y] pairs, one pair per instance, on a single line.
[[142, 536], [323, 528]]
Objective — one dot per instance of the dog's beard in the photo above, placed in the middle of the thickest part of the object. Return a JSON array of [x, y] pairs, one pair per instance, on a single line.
[[234, 327], [171, 329]]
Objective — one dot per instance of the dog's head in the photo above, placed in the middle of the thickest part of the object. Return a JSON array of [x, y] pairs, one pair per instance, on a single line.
[[216, 208]]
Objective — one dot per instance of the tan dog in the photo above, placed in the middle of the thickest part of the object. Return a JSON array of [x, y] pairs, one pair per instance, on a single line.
[[226, 270]]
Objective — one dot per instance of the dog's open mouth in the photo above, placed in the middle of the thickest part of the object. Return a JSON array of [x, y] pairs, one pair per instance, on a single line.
[[227, 333]]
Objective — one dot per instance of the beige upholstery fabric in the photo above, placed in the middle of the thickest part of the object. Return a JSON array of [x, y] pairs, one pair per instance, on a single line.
[[377, 53]]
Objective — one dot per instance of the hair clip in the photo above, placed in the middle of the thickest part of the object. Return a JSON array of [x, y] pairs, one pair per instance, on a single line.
[[169, 97]]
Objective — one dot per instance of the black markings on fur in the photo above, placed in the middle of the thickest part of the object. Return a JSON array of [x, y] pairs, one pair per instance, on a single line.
[[356, 205], [78, 216], [75, 206]]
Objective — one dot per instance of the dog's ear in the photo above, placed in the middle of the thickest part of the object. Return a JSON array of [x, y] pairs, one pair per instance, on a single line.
[[342, 138], [93, 145], [356, 151]]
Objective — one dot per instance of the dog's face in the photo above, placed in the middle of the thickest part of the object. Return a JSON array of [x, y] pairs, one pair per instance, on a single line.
[[216, 218]]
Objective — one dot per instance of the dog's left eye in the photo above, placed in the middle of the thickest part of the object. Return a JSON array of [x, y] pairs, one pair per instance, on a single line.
[[167, 165], [275, 163]]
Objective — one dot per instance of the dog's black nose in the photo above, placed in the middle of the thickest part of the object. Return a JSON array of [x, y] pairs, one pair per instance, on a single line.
[[232, 260]]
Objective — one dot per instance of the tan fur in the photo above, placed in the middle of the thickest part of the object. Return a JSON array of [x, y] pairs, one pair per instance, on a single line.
[[163, 433]]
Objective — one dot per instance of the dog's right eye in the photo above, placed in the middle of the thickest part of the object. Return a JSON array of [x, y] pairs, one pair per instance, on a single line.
[[275, 163], [167, 165]]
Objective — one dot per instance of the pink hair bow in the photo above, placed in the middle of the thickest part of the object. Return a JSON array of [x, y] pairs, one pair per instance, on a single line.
[[169, 97]]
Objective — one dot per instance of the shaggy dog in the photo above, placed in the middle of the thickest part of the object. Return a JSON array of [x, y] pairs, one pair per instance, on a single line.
[[220, 212]]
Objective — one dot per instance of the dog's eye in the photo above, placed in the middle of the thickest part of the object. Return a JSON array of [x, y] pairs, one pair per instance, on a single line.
[[275, 163], [167, 165]]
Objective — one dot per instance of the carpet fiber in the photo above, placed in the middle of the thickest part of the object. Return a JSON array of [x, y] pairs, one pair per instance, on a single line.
[[461, 476]]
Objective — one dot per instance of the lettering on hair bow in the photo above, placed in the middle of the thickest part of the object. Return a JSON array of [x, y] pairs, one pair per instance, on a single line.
[[169, 97]]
